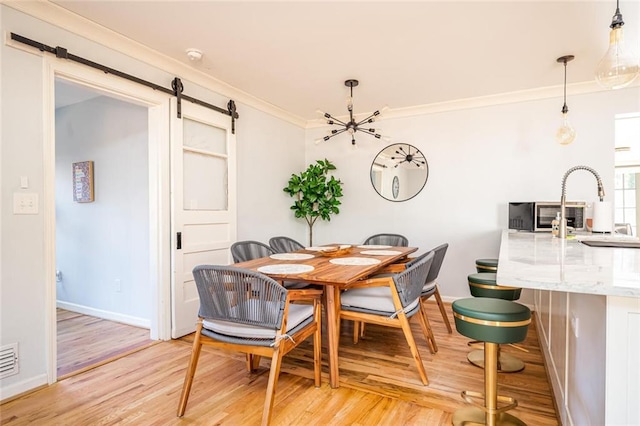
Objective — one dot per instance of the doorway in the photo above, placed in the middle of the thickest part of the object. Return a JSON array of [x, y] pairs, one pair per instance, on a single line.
[[102, 209], [106, 257]]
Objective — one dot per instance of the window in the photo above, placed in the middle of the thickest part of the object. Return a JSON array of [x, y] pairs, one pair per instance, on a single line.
[[627, 180]]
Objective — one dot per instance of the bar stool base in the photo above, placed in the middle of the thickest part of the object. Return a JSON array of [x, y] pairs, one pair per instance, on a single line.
[[471, 416], [506, 363]]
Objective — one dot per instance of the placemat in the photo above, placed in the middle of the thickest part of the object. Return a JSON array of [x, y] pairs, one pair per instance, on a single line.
[[291, 256]]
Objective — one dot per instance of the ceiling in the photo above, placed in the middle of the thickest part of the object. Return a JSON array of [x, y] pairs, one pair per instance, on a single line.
[[296, 55]]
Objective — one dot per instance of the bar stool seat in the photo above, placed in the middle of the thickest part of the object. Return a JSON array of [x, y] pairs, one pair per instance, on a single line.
[[493, 321], [483, 285], [486, 265]]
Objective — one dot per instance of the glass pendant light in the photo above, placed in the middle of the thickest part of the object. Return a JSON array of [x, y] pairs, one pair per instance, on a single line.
[[618, 68], [566, 133]]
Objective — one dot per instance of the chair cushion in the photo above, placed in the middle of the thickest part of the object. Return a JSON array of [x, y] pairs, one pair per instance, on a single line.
[[487, 262], [488, 278], [372, 298], [297, 314], [428, 287]]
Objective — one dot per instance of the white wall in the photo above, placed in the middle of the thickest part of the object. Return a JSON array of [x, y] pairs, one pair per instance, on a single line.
[[479, 159], [107, 240], [268, 154]]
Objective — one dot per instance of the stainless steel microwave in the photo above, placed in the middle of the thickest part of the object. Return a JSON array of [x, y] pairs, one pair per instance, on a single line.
[[536, 216]]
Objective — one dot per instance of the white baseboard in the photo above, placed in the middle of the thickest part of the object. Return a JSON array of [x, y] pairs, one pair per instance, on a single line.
[[9, 391], [108, 315]]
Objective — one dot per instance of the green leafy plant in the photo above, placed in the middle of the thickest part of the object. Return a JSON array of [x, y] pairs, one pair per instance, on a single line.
[[316, 193]]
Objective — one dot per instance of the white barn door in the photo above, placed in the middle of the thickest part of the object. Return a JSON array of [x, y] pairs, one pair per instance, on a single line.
[[203, 199]]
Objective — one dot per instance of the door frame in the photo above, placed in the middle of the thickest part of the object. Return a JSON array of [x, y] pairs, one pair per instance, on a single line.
[[159, 191]]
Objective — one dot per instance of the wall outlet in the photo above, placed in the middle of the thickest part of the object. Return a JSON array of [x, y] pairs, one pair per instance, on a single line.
[[575, 325], [25, 203], [118, 285]]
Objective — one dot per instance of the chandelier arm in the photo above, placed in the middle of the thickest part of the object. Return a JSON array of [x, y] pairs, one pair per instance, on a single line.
[[337, 132], [369, 132], [337, 120], [367, 119]]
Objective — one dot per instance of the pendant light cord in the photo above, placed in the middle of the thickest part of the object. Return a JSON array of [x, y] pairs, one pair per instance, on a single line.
[[565, 109]]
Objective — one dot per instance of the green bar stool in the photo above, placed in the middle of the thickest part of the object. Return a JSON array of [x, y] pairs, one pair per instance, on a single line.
[[486, 265], [484, 284], [494, 322]]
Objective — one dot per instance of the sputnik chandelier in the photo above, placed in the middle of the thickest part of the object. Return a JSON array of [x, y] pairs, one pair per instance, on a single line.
[[352, 126], [416, 158]]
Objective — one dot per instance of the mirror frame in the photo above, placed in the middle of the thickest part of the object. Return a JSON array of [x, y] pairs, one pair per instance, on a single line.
[[379, 162]]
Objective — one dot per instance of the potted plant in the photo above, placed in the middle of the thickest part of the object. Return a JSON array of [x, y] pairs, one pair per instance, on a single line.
[[316, 193]]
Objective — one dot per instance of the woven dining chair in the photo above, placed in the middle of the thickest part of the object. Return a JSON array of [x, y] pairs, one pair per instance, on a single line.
[[247, 311], [390, 301], [242, 251], [430, 288], [395, 240], [284, 245]]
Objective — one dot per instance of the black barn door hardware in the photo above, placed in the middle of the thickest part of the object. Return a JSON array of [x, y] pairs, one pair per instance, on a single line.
[[176, 85]]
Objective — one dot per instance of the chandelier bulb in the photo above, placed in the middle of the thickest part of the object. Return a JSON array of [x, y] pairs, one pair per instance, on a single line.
[[566, 133]]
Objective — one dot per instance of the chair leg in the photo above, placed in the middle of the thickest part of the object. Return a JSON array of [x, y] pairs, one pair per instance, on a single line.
[[274, 373], [191, 371], [362, 324], [426, 328], [406, 328], [317, 349], [442, 310], [356, 331], [253, 362]]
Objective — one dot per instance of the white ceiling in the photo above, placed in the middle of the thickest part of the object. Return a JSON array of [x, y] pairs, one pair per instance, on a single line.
[[297, 54]]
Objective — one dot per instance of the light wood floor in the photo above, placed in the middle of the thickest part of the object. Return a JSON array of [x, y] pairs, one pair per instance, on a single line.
[[85, 342], [379, 386]]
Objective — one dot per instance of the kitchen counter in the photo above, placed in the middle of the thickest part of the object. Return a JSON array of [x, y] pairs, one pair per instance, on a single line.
[[587, 303], [539, 261]]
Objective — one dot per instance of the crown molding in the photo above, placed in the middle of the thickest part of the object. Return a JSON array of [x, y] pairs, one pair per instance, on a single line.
[[56, 15], [486, 101]]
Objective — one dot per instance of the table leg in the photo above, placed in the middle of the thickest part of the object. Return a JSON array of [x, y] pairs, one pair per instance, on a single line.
[[332, 335]]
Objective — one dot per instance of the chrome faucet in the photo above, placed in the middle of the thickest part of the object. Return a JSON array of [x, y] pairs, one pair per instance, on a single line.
[[563, 220]]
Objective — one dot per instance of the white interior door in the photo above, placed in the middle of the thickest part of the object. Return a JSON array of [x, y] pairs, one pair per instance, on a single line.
[[203, 203]]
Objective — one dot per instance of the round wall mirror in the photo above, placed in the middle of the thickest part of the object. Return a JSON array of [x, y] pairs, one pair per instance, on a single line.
[[399, 172]]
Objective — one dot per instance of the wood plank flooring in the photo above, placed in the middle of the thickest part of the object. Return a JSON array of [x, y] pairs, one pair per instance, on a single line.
[[379, 386], [85, 342]]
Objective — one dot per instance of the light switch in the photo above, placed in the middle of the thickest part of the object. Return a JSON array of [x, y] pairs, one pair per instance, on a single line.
[[25, 203], [24, 182]]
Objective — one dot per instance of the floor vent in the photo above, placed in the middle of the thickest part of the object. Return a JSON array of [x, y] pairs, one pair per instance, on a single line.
[[9, 360]]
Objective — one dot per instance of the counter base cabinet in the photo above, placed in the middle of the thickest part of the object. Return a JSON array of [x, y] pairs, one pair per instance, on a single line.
[[623, 361], [574, 350], [591, 347]]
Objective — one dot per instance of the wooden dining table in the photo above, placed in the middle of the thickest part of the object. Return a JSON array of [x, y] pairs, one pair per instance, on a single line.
[[335, 272]]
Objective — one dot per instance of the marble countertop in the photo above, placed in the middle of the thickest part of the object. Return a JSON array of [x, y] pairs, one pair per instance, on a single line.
[[539, 261]]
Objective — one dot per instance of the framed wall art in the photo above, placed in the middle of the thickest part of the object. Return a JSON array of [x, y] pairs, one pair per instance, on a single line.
[[83, 182]]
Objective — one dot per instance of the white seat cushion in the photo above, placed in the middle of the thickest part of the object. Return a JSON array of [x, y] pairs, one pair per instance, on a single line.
[[429, 286], [373, 298], [297, 314]]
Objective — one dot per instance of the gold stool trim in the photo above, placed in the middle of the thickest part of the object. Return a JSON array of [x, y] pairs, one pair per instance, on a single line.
[[492, 323], [492, 287]]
